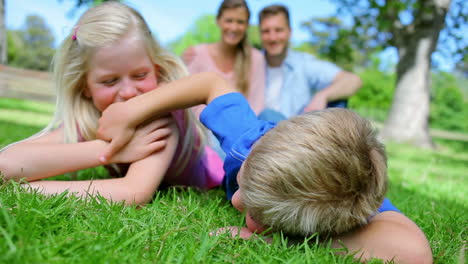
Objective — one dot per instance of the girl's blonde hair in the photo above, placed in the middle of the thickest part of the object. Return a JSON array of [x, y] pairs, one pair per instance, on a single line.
[[243, 56], [100, 26], [323, 171]]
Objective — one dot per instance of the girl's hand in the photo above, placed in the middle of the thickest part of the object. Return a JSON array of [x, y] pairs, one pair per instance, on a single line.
[[115, 126], [147, 139]]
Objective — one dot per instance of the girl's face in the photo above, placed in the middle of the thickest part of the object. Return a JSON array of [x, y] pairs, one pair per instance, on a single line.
[[119, 72], [233, 24]]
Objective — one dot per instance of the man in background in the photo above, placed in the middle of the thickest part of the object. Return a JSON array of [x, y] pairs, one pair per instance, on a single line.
[[297, 82]]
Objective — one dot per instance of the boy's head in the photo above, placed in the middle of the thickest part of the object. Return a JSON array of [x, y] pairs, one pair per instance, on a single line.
[[323, 171]]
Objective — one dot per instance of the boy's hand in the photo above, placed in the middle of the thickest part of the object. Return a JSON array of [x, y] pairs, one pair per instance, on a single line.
[[235, 231], [116, 126], [240, 232], [148, 138]]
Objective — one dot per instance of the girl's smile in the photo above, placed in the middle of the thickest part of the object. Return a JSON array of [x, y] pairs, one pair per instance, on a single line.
[[119, 72]]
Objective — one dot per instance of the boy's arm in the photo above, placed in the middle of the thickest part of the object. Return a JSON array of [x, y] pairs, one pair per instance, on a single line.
[[117, 123], [389, 236]]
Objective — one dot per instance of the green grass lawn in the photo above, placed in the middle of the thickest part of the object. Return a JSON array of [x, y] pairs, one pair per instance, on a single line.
[[428, 186]]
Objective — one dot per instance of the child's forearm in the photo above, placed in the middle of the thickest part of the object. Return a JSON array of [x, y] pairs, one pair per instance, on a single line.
[[34, 161], [193, 90], [112, 189]]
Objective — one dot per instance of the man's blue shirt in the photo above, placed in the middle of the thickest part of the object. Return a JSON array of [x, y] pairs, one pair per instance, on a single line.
[[303, 77]]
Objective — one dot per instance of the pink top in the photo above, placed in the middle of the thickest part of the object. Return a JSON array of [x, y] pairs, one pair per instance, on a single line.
[[203, 62], [204, 172]]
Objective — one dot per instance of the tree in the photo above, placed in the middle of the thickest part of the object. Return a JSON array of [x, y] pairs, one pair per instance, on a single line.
[[37, 41], [413, 27], [203, 30], [333, 41], [15, 45], [3, 34]]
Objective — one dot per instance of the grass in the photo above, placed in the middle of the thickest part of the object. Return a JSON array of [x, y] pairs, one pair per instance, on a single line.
[[428, 186]]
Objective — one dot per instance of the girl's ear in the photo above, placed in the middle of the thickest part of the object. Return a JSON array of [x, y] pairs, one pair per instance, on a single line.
[[86, 92], [157, 69], [157, 72]]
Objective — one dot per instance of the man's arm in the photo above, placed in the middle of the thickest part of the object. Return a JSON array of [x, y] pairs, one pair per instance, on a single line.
[[344, 85]]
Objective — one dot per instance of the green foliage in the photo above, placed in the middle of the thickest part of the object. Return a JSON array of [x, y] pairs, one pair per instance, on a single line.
[[392, 23], [376, 94], [335, 42], [15, 45], [253, 35], [308, 48], [35, 50], [449, 108], [204, 30]]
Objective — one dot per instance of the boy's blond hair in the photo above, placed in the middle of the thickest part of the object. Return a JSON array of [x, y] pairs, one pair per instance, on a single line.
[[323, 171]]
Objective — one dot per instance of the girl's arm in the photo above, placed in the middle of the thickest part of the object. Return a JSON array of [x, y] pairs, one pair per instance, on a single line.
[[137, 187], [46, 156], [117, 123]]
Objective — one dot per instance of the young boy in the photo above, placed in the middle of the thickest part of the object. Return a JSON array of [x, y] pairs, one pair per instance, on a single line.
[[320, 172]]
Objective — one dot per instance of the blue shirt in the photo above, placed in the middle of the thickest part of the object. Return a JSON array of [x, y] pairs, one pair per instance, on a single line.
[[303, 76], [237, 128]]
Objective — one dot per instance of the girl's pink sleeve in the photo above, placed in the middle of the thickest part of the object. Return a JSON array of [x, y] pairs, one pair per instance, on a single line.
[[257, 81]]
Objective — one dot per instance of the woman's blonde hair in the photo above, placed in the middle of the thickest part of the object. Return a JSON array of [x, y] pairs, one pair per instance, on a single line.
[[99, 26], [243, 56], [323, 171]]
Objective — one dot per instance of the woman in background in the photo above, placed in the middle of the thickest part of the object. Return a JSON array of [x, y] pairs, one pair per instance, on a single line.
[[232, 56]]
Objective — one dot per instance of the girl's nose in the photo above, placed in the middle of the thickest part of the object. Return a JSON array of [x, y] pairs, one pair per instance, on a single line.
[[128, 91]]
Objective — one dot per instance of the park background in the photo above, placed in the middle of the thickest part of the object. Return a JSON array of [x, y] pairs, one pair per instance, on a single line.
[[428, 184]]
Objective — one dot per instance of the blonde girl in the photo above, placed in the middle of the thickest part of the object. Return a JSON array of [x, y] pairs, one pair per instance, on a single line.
[[110, 57]]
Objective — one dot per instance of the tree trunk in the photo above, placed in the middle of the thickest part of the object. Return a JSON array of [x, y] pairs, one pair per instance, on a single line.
[[3, 34], [409, 115]]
